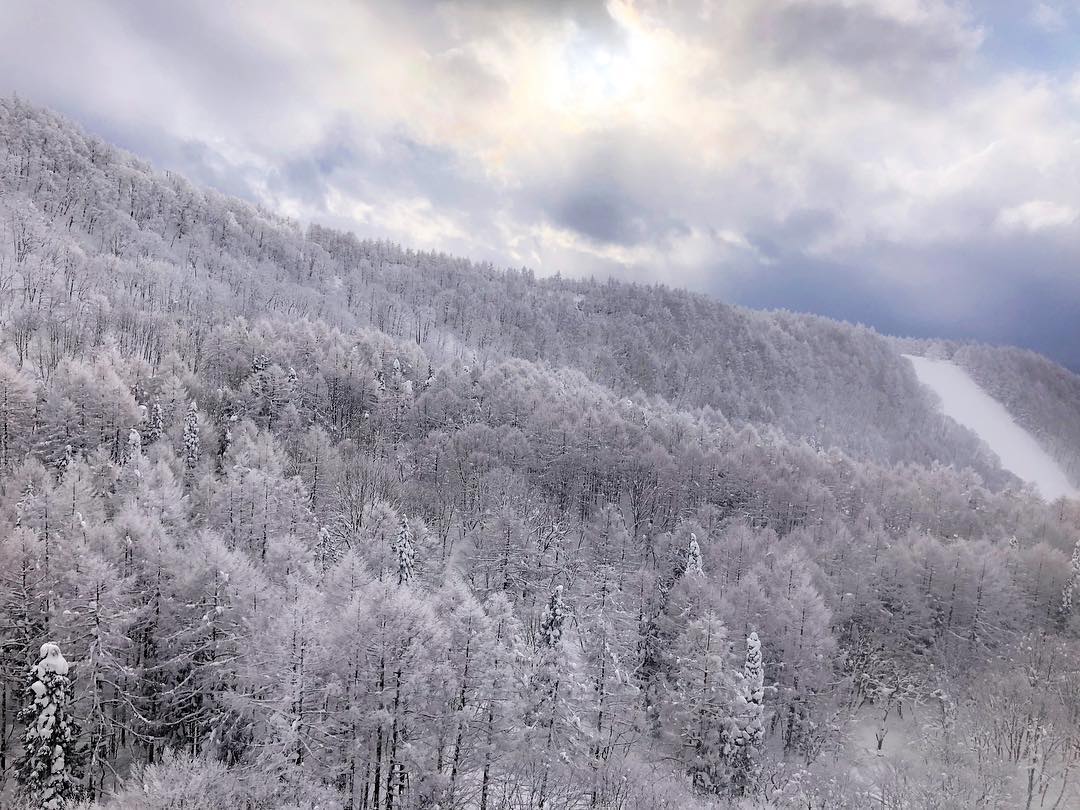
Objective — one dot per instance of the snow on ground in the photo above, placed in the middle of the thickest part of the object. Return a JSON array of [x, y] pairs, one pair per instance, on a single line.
[[967, 403]]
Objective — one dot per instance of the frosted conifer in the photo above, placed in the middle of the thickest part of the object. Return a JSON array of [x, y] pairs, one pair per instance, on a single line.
[[191, 437], [406, 553], [754, 689], [748, 726], [551, 623], [134, 446], [693, 556], [44, 770], [65, 462], [223, 447], [24, 503], [327, 549], [156, 427], [1069, 592]]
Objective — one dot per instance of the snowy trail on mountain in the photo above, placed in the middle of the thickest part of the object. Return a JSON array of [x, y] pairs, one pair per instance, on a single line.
[[967, 403]]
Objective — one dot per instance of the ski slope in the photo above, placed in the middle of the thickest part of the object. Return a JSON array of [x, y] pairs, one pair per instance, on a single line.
[[967, 403]]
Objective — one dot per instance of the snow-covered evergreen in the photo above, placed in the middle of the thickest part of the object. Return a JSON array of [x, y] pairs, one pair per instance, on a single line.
[[1068, 593], [693, 557], [191, 437], [46, 767], [405, 553], [553, 620], [155, 429], [65, 461], [748, 720], [133, 448]]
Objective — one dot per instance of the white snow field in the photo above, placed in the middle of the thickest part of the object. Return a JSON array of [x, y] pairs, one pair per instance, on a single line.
[[967, 403]]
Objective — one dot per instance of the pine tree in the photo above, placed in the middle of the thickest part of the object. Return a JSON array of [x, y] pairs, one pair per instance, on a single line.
[[191, 438], [134, 447], [327, 549], [552, 718], [405, 552], [1069, 591], [45, 768], [223, 448], [156, 428], [24, 504], [551, 623], [748, 727], [697, 710], [693, 557], [65, 462]]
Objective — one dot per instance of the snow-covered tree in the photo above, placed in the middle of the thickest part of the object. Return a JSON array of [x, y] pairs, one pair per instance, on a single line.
[[404, 553], [223, 448], [65, 462], [45, 771], [133, 449], [328, 548], [696, 715], [748, 719], [693, 557], [191, 438], [1068, 593], [16, 415], [553, 619], [156, 427]]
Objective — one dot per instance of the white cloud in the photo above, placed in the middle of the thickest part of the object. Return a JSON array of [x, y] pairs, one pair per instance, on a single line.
[[1038, 215]]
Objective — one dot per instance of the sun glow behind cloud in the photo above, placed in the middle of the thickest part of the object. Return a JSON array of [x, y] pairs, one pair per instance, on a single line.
[[592, 82]]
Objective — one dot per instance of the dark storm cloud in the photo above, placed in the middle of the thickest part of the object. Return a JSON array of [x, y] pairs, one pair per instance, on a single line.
[[603, 217], [610, 187], [1006, 291]]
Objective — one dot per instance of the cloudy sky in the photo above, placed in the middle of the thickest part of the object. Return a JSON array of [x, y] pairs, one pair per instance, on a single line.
[[911, 164]]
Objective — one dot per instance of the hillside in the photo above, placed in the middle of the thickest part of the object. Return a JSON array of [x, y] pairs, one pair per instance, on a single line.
[[831, 383], [322, 522]]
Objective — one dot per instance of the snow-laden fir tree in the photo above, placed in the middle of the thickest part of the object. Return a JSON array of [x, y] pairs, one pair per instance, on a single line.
[[693, 557], [134, 446], [405, 552], [551, 623], [156, 426], [1069, 591], [48, 758], [327, 549], [223, 448], [191, 437], [65, 462], [22, 506], [748, 720]]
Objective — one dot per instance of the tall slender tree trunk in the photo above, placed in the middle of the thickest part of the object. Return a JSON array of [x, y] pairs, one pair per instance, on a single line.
[[392, 764]]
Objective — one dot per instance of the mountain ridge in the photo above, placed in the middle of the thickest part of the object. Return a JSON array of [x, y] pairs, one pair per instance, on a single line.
[[807, 375]]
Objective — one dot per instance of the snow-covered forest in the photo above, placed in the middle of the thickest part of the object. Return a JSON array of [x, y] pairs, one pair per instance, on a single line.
[[294, 520]]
